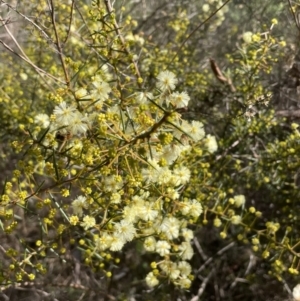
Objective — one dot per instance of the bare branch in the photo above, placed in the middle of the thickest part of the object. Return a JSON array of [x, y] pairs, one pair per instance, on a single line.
[[27, 19], [199, 249], [22, 54], [294, 15], [58, 44], [197, 27], [219, 253], [203, 286], [117, 30], [288, 113], [70, 23], [40, 71]]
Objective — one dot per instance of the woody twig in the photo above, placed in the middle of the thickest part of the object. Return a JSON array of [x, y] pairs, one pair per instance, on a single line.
[[219, 75]]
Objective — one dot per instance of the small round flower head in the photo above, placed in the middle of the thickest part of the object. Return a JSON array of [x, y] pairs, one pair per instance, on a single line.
[[239, 200], [192, 208], [170, 268], [182, 175], [74, 219], [117, 243], [23, 76], [42, 120], [185, 207], [185, 283], [205, 7], [236, 219], [296, 292], [146, 212], [115, 198], [105, 74], [150, 244], [247, 37], [129, 213], [217, 222], [134, 38], [143, 97], [79, 204], [88, 222], [151, 280], [162, 176], [211, 143], [197, 130], [81, 93], [170, 227], [172, 193], [79, 124], [163, 247], [187, 234], [166, 81], [112, 183], [185, 268], [64, 114], [171, 152], [194, 129], [178, 100], [102, 89], [195, 208], [186, 251], [125, 230], [103, 242]]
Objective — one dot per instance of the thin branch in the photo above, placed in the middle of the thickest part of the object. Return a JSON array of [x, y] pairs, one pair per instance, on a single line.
[[199, 249], [27, 60], [235, 143], [117, 30], [210, 259], [200, 25], [59, 48], [236, 280], [203, 286], [288, 113], [294, 15], [105, 61], [70, 23], [23, 55], [149, 18], [251, 264], [27, 19]]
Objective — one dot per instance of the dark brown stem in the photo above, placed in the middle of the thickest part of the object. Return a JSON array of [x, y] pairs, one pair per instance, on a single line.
[[70, 23]]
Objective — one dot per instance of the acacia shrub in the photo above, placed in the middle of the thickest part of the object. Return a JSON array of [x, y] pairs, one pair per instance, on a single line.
[[105, 157]]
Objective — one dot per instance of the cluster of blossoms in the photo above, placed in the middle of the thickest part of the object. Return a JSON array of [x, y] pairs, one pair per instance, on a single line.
[[143, 199], [75, 120]]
